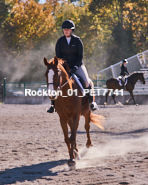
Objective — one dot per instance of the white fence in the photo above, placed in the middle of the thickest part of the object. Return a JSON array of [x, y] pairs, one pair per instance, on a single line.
[[135, 63]]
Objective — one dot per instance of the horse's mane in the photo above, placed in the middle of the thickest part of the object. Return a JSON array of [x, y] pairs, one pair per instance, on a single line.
[[66, 70], [135, 73], [62, 64], [132, 74]]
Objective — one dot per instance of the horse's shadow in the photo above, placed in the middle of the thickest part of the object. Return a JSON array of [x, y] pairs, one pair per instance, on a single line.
[[29, 173], [138, 131]]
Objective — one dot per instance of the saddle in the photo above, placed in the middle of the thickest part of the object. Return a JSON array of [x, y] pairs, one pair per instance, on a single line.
[[79, 83], [122, 80], [93, 105]]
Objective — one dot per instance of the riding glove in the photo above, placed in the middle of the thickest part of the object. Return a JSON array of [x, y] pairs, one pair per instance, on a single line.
[[74, 69]]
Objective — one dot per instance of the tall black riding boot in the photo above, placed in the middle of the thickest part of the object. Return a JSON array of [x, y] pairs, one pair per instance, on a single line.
[[52, 108], [93, 105]]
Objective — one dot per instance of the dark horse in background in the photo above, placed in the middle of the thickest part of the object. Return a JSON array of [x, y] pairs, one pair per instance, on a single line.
[[69, 108], [113, 84]]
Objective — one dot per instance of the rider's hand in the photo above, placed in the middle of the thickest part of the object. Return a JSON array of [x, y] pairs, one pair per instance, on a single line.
[[74, 69]]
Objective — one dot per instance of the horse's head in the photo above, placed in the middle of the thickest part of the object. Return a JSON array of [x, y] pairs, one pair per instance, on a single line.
[[141, 78], [53, 77]]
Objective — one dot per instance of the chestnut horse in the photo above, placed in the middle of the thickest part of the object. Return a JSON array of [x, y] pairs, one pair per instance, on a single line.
[[69, 108], [113, 84]]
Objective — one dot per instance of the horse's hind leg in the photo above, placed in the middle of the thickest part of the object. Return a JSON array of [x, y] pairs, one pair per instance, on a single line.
[[87, 127], [113, 96]]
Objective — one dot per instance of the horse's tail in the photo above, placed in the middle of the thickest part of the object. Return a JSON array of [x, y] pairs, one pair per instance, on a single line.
[[98, 120]]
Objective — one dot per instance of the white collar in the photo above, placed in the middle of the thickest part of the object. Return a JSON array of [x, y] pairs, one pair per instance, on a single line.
[[68, 39]]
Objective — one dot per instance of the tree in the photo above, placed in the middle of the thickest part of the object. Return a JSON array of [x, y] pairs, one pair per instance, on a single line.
[[123, 27], [136, 19], [3, 11], [28, 23]]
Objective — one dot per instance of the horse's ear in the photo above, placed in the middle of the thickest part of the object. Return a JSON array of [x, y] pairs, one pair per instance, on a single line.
[[45, 61], [56, 60]]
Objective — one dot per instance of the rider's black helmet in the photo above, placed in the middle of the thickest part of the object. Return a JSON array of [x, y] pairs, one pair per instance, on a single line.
[[69, 24], [125, 61]]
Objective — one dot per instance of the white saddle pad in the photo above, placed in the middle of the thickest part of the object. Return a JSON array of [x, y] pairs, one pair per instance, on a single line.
[[120, 78]]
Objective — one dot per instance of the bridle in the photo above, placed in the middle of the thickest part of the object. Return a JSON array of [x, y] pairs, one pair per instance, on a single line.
[[59, 86]]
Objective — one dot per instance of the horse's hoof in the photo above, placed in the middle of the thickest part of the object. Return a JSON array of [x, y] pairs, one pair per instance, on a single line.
[[71, 161], [127, 101], [88, 145], [77, 156], [136, 104], [72, 164], [72, 167], [117, 104], [105, 103]]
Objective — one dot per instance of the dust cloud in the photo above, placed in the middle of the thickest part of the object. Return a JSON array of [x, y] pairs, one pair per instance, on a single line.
[[96, 155], [27, 66], [101, 154]]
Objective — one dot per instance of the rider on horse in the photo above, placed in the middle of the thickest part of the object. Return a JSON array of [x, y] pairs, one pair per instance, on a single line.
[[124, 71], [69, 47]]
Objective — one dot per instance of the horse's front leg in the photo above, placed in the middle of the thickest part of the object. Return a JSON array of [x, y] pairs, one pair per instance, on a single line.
[[131, 93], [75, 149], [74, 126], [106, 96], [65, 131]]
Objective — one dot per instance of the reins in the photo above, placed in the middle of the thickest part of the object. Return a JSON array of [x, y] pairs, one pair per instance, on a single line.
[[65, 83]]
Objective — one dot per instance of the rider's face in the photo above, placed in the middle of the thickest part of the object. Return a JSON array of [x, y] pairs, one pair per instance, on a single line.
[[67, 32], [124, 63]]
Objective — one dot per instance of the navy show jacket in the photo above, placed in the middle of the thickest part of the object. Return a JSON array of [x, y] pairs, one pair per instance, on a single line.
[[124, 70], [72, 53]]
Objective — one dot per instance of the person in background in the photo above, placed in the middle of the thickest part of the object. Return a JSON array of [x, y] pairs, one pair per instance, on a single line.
[[124, 72]]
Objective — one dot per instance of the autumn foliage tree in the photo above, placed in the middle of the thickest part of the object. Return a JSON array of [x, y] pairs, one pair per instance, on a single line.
[[118, 26], [28, 23]]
